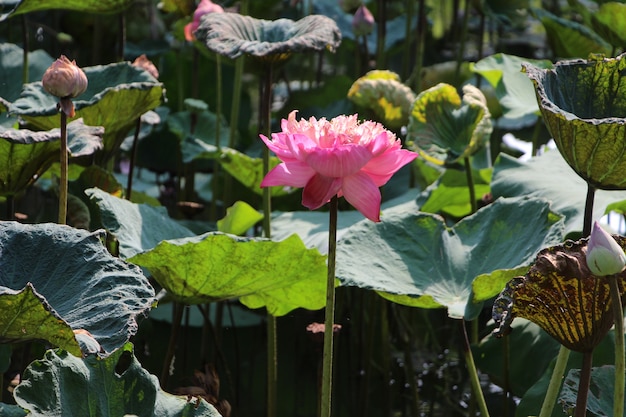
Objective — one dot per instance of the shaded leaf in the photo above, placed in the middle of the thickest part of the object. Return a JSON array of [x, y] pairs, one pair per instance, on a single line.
[[549, 177], [239, 218], [61, 385], [117, 95], [10, 410], [137, 227], [280, 276], [233, 35], [86, 6], [416, 256], [601, 391], [72, 272], [201, 142], [11, 62]]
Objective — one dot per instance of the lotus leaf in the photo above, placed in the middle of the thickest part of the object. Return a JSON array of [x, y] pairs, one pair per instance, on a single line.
[[233, 35], [383, 93], [74, 278], [62, 385], [25, 155], [117, 95], [610, 23], [214, 266], [445, 129], [413, 258], [601, 391], [11, 62], [86, 6], [239, 218]]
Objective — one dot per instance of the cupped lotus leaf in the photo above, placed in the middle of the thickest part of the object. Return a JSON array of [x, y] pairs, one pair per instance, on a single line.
[[382, 92], [584, 107], [60, 385], [11, 410], [117, 95], [239, 218], [280, 276], [78, 279], [414, 258], [444, 128], [86, 6], [25, 155], [610, 23], [546, 176], [11, 63], [512, 87], [601, 391], [561, 295], [569, 39], [233, 35], [137, 227]]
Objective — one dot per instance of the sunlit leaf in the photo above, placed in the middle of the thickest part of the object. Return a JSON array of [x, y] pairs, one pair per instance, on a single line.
[[70, 272], [280, 276], [239, 218], [117, 95], [233, 35], [444, 128], [86, 6], [610, 23], [59, 385], [583, 106], [414, 258], [561, 295]]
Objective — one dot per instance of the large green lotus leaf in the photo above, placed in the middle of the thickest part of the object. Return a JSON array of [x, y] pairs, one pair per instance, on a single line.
[[61, 385], [214, 266], [583, 106], [549, 177], [233, 34], [86, 6], [513, 89], [25, 155], [137, 227], [77, 279], [11, 63], [382, 92], [569, 39], [610, 23], [450, 194], [601, 392], [444, 128], [117, 95], [415, 259], [239, 218], [193, 145]]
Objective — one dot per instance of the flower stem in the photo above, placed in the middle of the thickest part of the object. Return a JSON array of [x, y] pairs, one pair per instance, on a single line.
[[473, 373], [329, 320], [591, 192], [584, 382], [555, 382], [64, 164], [133, 159], [470, 185], [272, 365], [618, 400]]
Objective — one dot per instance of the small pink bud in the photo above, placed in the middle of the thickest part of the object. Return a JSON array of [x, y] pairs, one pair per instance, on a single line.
[[205, 7], [363, 21], [144, 63], [604, 255], [64, 79]]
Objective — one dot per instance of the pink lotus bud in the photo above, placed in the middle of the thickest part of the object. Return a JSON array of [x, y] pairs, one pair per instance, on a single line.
[[144, 63], [64, 79], [205, 7], [363, 21], [604, 255]]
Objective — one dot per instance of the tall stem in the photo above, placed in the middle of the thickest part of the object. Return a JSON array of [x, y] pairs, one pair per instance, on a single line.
[[234, 120], [470, 185], [555, 382], [584, 383], [133, 159], [473, 373], [218, 122], [64, 167], [329, 320], [272, 366], [25, 46], [171, 348], [618, 399], [591, 192], [460, 52]]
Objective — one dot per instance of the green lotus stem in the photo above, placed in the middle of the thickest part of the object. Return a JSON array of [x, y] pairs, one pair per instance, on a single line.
[[470, 185], [272, 366], [618, 312], [459, 57], [133, 159], [588, 220], [381, 34], [177, 316], [64, 166], [329, 319], [584, 382], [234, 119], [218, 115], [473, 373], [555, 382], [25, 50], [122, 36]]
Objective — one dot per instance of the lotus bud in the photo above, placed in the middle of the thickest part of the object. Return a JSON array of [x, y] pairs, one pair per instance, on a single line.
[[144, 63], [64, 79], [363, 21], [604, 255], [205, 7]]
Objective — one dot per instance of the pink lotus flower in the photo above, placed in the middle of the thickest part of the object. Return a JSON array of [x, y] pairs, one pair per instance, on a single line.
[[205, 7], [339, 157]]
